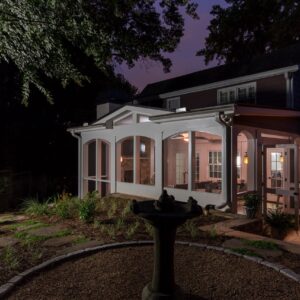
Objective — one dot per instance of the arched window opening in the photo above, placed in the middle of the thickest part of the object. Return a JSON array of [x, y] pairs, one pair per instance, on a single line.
[[136, 160]]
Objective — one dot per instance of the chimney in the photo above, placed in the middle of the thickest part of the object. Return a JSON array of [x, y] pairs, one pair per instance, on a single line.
[[105, 108]]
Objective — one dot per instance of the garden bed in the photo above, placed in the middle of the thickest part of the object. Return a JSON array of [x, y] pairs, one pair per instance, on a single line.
[[56, 228]]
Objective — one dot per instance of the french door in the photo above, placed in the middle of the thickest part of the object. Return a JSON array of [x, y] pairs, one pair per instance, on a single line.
[[280, 188]]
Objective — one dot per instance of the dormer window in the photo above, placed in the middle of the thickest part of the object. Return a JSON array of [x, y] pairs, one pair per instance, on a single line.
[[238, 93], [173, 103]]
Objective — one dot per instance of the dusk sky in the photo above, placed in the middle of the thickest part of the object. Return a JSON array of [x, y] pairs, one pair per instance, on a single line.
[[184, 58]]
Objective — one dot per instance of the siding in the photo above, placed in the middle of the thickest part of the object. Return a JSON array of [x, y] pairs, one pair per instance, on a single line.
[[271, 91], [296, 88], [199, 99]]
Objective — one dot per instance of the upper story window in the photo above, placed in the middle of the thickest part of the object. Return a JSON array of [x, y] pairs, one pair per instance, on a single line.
[[173, 103], [238, 93]]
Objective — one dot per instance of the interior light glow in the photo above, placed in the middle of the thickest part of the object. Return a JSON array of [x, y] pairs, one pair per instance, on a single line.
[[246, 159]]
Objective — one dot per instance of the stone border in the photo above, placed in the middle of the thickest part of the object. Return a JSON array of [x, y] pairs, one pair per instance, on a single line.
[[6, 288]]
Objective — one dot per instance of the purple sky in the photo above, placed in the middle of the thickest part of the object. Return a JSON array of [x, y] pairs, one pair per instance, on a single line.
[[184, 58]]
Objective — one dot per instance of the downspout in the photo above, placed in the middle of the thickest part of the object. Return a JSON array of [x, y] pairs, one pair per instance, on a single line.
[[79, 139], [226, 122]]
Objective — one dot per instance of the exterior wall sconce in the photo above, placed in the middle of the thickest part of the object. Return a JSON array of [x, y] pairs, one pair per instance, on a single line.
[[281, 158], [121, 159], [246, 159]]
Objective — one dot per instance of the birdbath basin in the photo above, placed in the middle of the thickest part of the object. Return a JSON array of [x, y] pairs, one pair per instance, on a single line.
[[165, 215]]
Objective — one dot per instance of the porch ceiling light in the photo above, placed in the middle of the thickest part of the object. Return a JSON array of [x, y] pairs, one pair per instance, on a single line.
[[246, 159]]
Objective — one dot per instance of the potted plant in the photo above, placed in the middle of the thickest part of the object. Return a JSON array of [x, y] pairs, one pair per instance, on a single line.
[[279, 222], [251, 204]]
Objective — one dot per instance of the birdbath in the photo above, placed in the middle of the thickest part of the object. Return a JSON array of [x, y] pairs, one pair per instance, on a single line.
[[165, 215]]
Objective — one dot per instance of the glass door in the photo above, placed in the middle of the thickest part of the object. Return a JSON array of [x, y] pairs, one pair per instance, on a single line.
[[281, 186]]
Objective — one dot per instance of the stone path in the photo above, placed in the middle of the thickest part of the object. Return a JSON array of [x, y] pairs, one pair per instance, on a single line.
[[60, 241], [47, 231], [11, 218], [8, 241], [227, 228]]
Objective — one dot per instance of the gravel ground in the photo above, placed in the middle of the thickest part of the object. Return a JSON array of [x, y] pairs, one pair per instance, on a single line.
[[122, 274]]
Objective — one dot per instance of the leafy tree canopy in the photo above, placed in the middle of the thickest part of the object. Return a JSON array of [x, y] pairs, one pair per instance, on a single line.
[[39, 36], [246, 28]]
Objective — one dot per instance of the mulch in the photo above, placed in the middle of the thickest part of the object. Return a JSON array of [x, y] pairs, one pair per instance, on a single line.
[[122, 274]]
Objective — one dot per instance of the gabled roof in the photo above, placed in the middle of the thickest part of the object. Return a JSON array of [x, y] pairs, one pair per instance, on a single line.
[[279, 59], [127, 109], [119, 114]]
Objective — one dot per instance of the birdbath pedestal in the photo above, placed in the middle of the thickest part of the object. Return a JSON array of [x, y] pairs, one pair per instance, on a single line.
[[165, 215]]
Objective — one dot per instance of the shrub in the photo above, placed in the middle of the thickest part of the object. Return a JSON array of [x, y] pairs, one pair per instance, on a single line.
[[87, 208], [113, 209], [66, 206], [132, 230], [149, 229], [279, 220], [33, 207], [192, 228], [127, 209], [252, 200], [213, 232]]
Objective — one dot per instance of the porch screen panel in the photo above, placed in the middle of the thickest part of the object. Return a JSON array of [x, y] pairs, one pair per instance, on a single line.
[[96, 163], [92, 159], [175, 155], [125, 160], [206, 162], [145, 160]]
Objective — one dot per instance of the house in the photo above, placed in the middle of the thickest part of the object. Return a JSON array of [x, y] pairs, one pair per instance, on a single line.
[[213, 135]]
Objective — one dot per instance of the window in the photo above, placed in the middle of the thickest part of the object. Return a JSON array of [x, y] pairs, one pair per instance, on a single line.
[[145, 160], [239, 93], [276, 170], [143, 119], [136, 166], [173, 103], [96, 162], [215, 164]]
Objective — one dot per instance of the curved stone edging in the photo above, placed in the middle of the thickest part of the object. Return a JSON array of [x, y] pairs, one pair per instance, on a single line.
[[7, 287]]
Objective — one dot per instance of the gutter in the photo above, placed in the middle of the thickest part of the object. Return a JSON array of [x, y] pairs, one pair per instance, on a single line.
[[226, 122], [79, 139]]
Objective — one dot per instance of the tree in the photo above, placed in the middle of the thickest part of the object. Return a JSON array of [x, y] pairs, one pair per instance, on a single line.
[[39, 36], [248, 28]]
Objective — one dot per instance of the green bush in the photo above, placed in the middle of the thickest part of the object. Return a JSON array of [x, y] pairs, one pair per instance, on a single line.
[[252, 200], [132, 230], [33, 207], [87, 208], [66, 206], [279, 220]]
